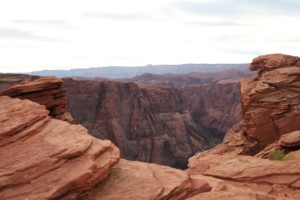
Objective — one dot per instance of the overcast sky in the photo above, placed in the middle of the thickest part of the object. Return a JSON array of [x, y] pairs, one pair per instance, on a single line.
[[64, 34]]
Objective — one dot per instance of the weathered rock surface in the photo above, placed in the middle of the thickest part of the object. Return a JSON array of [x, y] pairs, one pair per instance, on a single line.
[[270, 121], [288, 142], [44, 158], [273, 61], [215, 107], [290, 139], [271, 101], [9, 80], [46, 91], [279, 178], [136, 180], [148, 123]]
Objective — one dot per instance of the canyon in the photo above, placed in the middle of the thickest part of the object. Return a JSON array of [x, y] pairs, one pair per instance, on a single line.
[[44, 157], [155, 122], [146, 118]]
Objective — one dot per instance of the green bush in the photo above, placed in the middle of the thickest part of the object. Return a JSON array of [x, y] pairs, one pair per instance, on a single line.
[[277, 154]]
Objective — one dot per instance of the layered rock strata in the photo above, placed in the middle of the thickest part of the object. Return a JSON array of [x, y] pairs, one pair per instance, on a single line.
[[148, 123], [215, 107], [271, 100], [44, 158], [46, 91], [9, 80], [270, 127]]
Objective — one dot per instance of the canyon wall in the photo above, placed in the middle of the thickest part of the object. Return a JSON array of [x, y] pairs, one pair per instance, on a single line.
[[147, 122], [155, 122], [215, 107]]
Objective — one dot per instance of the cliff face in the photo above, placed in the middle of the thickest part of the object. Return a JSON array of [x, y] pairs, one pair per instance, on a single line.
[[148, 123], [271, 101], [269, 129], [215, 107]]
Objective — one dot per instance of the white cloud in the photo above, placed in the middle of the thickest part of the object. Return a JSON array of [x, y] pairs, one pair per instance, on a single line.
[[63, 34]]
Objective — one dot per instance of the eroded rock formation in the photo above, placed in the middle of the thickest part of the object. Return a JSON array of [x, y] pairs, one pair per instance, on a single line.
[[271, 100], [44, 158], [270, 127], [147, 122], [9, 80], [215, 107], [46, 91]]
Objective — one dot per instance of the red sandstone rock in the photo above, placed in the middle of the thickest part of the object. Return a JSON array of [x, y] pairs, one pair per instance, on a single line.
[[273, 61], [9, 80], [287, 142], [216, 106], [290, 139], [136, 180], [277, 177], [270, 121], [148, 123], [228, 190], [270, 101], [46, 91], [44, 158]]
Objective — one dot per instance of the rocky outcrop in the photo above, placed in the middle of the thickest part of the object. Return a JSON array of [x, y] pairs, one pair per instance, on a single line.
[[215, 107], [271, 101], [273, 61], [270, 105], [46, 91], [9, 80], [45, 158], [148, 123], [269, 129]]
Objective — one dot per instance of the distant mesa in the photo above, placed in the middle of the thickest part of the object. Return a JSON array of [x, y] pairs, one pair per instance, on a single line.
[[120, 72]]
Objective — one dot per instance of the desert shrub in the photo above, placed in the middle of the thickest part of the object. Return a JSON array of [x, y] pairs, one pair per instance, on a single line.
[[277, 154]]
